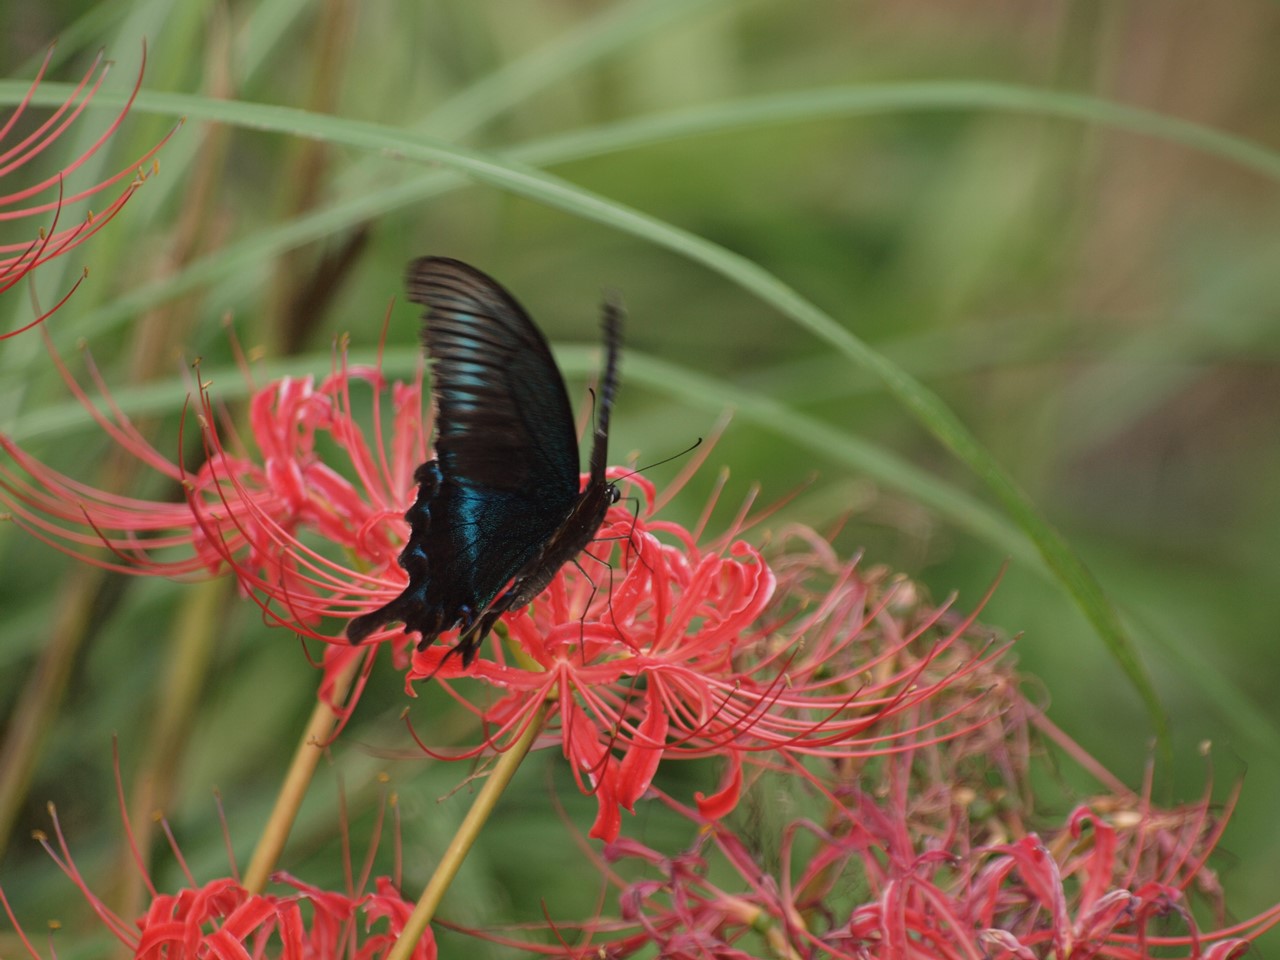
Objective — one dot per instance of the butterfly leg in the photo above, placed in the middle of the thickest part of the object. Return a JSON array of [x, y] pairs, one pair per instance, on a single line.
[[473, 634]]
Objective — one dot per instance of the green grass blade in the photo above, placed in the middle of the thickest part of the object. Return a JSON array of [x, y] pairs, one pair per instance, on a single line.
[[928, 409], [682, 383]]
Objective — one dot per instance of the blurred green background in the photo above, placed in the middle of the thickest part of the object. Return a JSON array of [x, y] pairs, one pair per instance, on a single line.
[[1095, 297]]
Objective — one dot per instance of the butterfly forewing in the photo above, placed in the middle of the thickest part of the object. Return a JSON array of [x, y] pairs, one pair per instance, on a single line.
[[504, 415]]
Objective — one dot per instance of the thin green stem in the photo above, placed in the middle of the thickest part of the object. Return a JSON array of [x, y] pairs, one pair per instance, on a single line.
[[467, 833], [301, 770]]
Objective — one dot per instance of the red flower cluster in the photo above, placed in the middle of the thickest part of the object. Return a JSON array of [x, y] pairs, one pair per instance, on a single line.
[[858, 891], [691, 652], [897, 714], [18, 259], [241, 511], [905, 741], [683, 652], [223, 919], [928, 853]]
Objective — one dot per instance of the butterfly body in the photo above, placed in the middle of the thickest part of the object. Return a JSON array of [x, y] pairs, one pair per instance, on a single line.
[[501, 503]]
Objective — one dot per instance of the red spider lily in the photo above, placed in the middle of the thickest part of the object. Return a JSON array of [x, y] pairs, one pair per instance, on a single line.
[[48, 195], [924, 853], [873, 885], [221, 918], [689, 651], [675, 658], [878, 880], [240, 511], [1023, 904], [244, 512], [237, 508], [1078, 893]]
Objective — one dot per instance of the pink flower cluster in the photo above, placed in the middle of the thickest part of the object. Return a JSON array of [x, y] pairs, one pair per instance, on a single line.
[[935, 851]]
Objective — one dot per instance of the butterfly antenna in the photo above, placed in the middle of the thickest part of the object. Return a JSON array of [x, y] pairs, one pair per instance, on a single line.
[[657, 463], [635, 513], [611, 319]]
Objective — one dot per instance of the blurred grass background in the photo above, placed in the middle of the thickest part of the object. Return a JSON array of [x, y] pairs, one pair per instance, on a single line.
[[1100, 307]]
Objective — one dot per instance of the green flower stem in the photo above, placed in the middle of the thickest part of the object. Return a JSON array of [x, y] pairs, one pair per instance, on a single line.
[[314, 742], [36, 710], [470, 828], [192, 641]]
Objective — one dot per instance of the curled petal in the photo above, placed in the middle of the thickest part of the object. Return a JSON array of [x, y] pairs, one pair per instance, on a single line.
[[19, 259]]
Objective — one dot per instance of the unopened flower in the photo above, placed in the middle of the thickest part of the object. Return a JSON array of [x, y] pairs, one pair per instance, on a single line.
[[50, 197]]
